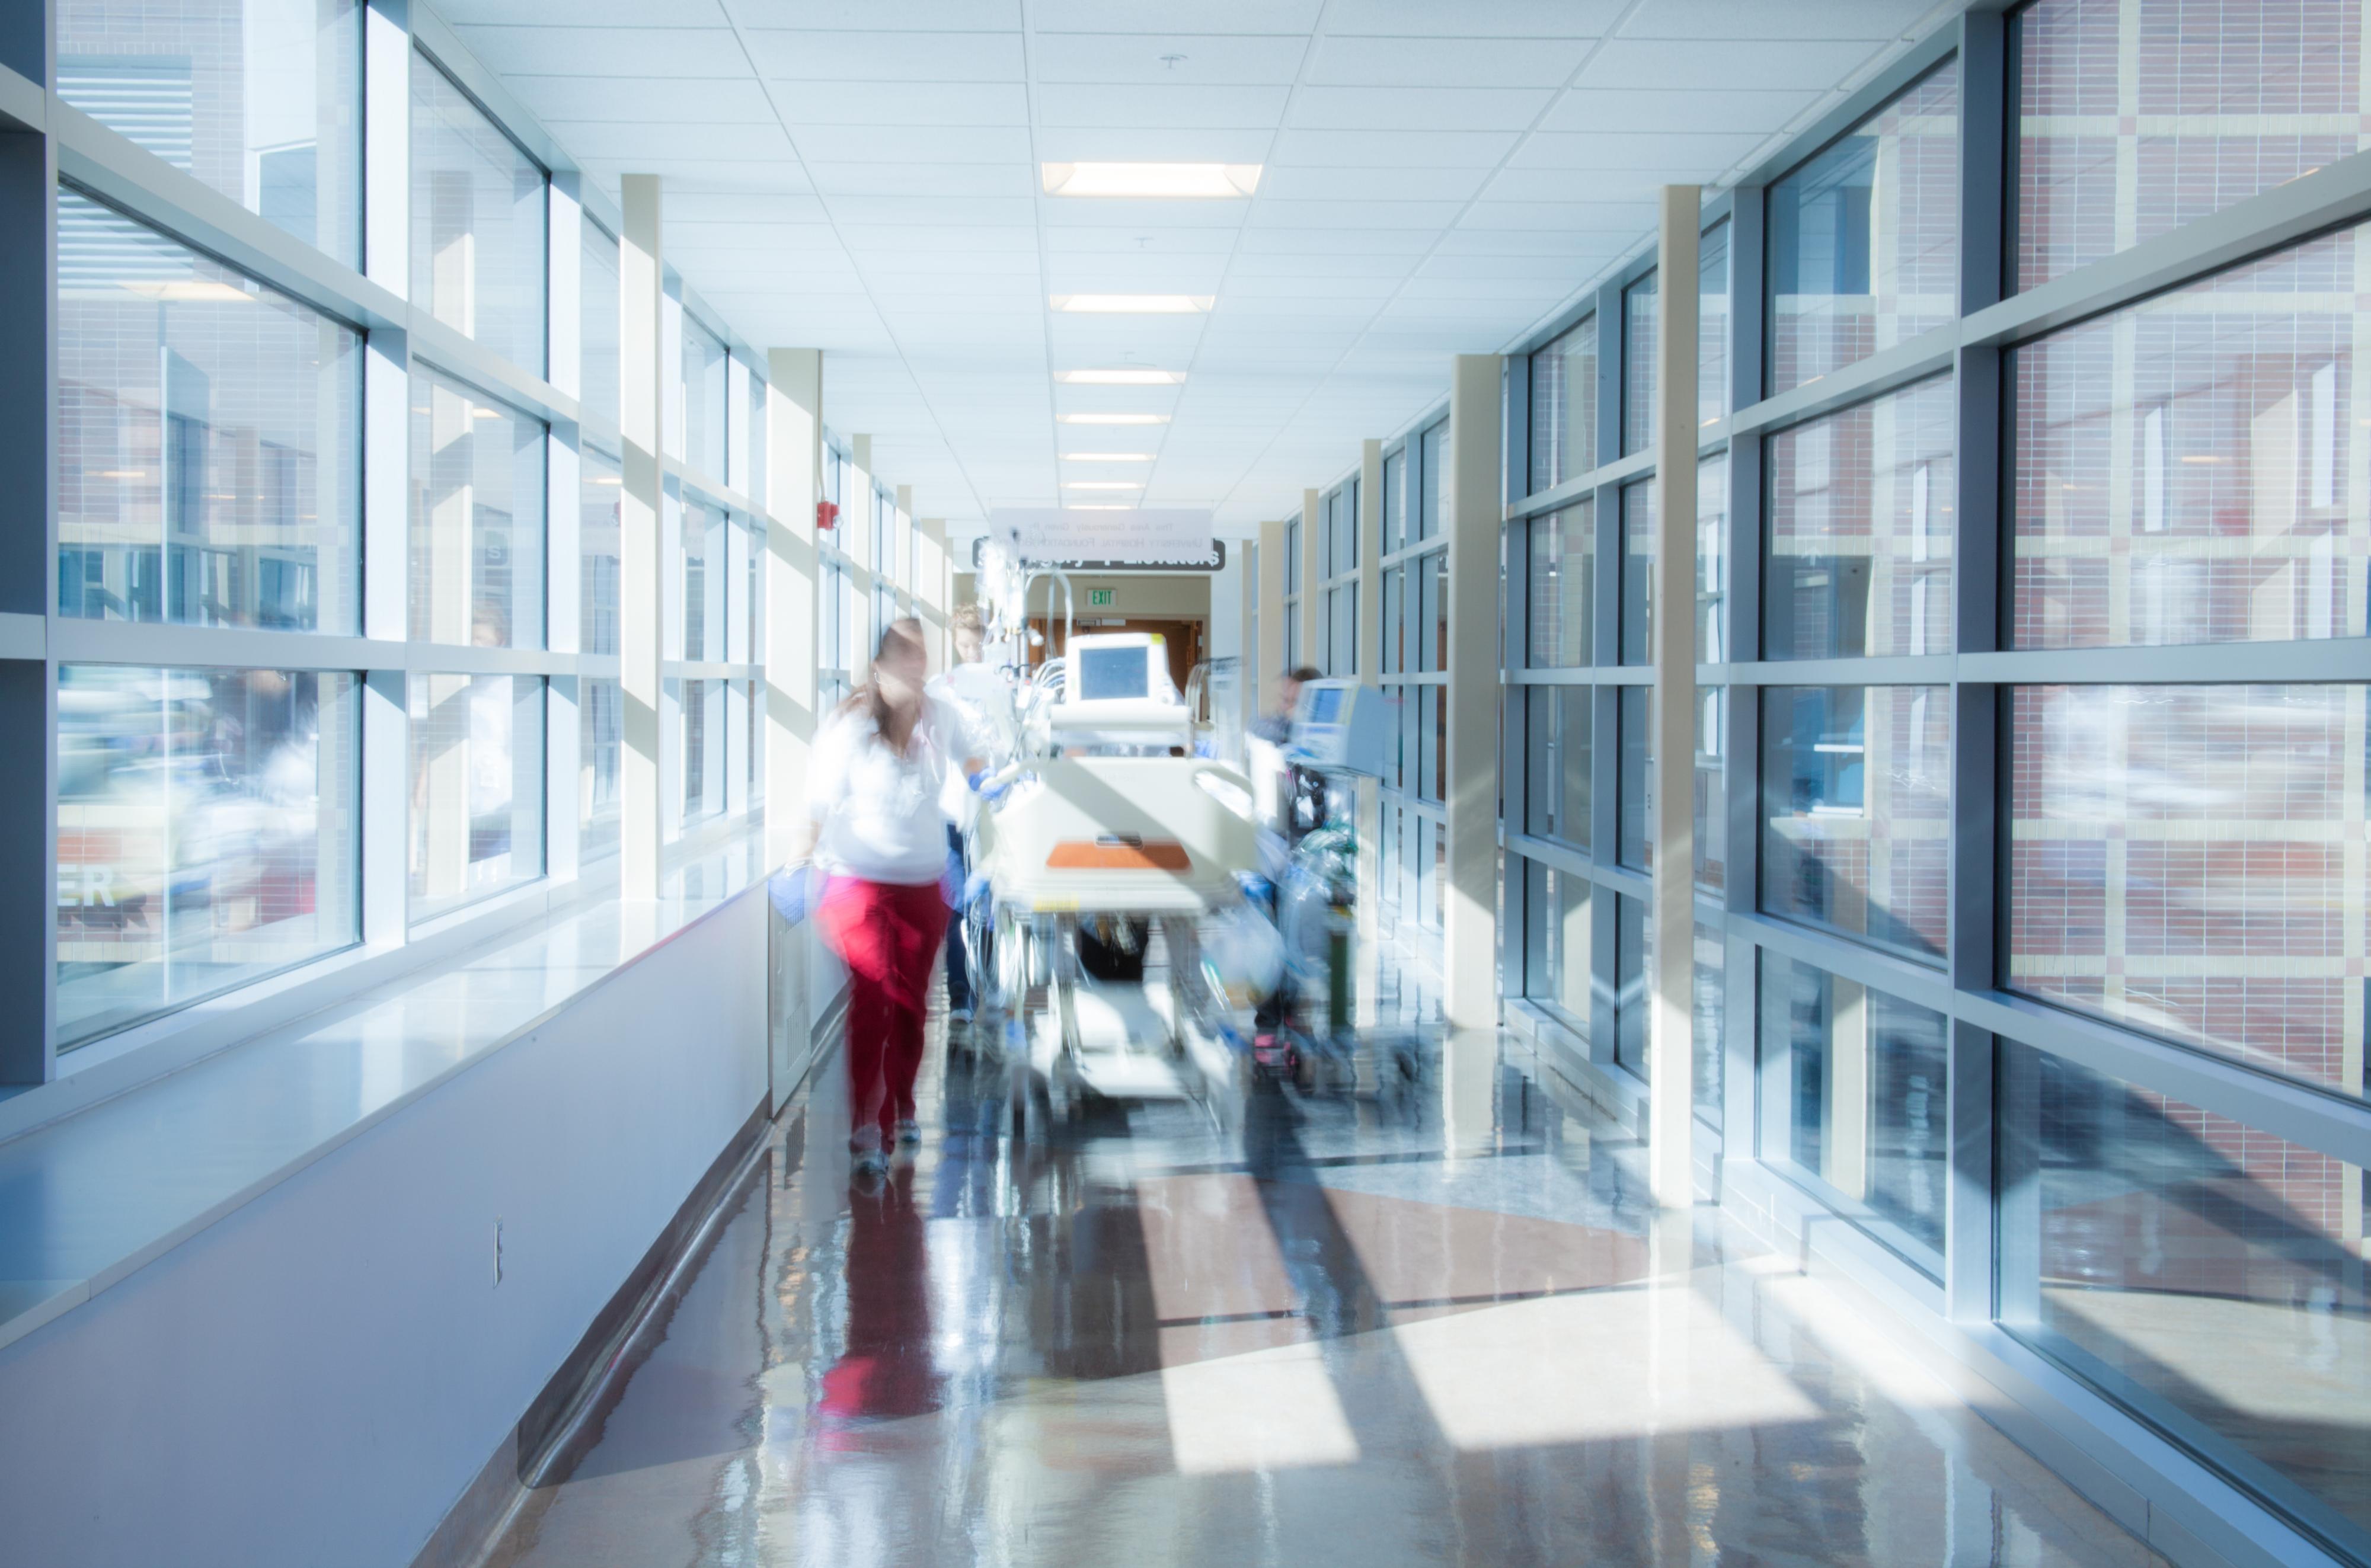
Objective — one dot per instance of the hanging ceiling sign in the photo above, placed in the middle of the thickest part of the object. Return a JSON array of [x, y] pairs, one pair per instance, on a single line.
[[1214, 560], [1139, 537]]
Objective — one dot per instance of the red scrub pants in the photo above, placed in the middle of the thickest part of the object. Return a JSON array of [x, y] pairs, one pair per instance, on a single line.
[[889, 935]]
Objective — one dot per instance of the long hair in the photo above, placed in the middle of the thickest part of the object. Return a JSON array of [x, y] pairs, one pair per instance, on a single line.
[[901, 636]]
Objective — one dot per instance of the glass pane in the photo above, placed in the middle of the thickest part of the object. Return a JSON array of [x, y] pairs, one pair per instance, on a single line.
[[1634, 957], [1431, 742], [1394, 627], [1865, 237], [1344, 614], [477, 223], [1635, 807], [1709, 1008], [1639, 510], [206, 834], [1570, 956], [704, 581], [1557, 757], [1854, 1095], [2189, 860], [1639, 337], [704, 390], [757, 437], [260, 101], [1564, 588], [701, 705], [2139, 116], [1432, 612], [2205, 1274], [1564, 407], [477, 517], [1860, 529], [1712, 789], [1712, 324], [1856, 803], [1712, 559], [1432, 453], [1292, 556], [477, 787], [602, 286], [1394, 501], [599, 546], [600, 733], [209, 450], [2191, 468]]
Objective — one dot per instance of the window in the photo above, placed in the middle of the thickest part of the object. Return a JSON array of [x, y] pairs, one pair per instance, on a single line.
[[2190, 468], [1708, 997], [704, 581], [602, 288], [1394, 501], [2139, 116], [1431, 742], [206, 834], [1634, 966], [258, 101], [1855, 806], [1431, 450], [1860, 529], [1557, 942], [1712, 324], [1558, 729], [1854, 1086], [477, 517], [209, 451], [700, 705], [1638, 511], [1712, 787], [477, 222], [600, 739], [1635, 798], [1564, 407], [1432, 612], [705, 386], [2189, 860], [1865, 237], [477, 787], [600, 548], [1564, 588], [1638, 337], [1342, 625], [1395, 627]]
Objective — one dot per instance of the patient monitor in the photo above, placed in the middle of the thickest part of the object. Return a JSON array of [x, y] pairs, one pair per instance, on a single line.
[[1339, 727], [1117, 690]]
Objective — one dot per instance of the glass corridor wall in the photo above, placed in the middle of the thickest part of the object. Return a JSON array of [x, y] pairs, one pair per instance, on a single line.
[[2033, 883], [245, 462]]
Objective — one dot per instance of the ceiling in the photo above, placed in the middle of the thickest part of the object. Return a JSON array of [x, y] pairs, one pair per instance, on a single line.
[[861, 176]]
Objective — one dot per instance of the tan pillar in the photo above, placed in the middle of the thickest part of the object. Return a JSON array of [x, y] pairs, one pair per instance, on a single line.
[[794, 485], [641, 403], [1469, 959], [1670, 1075], [934, 592], [1271, 616]]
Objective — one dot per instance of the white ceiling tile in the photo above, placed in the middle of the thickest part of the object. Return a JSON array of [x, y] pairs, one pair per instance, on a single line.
[[1166, 60], [915, 143], [1626, 111], [1318, 268], [930, 210], [1418, 109], [1300, 148], [1119, 273], [865, 240], [903, 103], [1320, 242], [708, 176], [586, 13], [1166, 144], [606, 52], [1373, 184], [1631, 149], [700, 206], [611, 143], [1718, 66], [1065, 240], [920, 180], [873, 16], [626, 100], [1446, 62], [1476, 18], [1138, 217], [816, 56], [1593, 217], [1588, 185], [1343, 214], [1870, 20], [1295, 17], [1074, 104]]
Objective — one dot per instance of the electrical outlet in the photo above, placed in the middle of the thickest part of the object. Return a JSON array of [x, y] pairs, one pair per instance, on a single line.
[[498, 1250]]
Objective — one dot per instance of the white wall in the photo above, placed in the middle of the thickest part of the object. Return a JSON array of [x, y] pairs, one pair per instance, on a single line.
[[317, 1378]]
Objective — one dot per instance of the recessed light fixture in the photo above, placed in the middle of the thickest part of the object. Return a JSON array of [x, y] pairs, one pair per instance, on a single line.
[[1204, 180], [1108, 457], [1147, 418], [1104, 484], [1132, 304], [1120, 378]]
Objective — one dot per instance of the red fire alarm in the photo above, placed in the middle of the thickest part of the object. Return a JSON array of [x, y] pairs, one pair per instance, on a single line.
[[827, 515]]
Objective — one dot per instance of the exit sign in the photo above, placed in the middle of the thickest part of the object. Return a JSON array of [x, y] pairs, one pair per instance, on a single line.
[[1102, 598]]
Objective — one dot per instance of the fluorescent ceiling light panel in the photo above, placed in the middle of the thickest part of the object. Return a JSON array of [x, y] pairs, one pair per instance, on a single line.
[[1120, 378], [1191, 180], [1132, 304], [1147, 418]]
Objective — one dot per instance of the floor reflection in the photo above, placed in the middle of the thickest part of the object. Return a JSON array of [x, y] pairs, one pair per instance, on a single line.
[[1421, 1314]]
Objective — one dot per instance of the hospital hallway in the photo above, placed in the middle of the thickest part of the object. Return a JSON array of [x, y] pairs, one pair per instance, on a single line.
[[1421, 1315]]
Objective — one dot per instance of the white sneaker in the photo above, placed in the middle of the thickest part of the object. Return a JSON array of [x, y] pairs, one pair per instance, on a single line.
[[958, 1015], [872, 1162], [909, 1131]]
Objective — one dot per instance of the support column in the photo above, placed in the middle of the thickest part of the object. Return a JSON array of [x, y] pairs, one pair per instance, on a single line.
[[1313, 595], [1472, 508], [934, 592], [641, 402], [1270, 589], [1670, 1074], [899, 569], [794, 485]]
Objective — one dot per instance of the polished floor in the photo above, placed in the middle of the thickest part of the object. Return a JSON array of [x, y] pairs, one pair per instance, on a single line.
[[1417, 1316]]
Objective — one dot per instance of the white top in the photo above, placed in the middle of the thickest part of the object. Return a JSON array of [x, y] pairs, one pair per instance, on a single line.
[[882, 816]]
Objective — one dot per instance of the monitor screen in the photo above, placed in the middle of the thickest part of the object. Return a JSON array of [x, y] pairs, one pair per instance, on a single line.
[[1326, 705], [1105, 673]]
